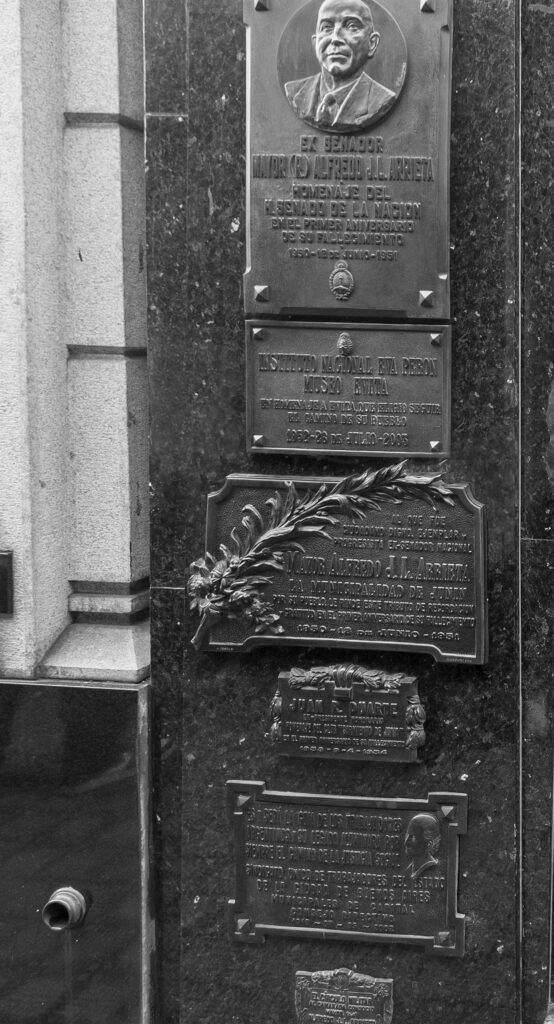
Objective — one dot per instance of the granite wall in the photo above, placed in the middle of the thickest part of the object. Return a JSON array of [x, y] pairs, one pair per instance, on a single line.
[[210, 709], [537, 509]]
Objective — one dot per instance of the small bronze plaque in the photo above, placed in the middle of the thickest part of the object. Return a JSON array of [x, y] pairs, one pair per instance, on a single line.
[[348, 389], [380, 560], [348, 158], [328, 997], [342, 867], [350, 712]]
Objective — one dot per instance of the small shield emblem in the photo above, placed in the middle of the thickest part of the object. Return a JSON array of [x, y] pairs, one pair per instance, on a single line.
[[341, 281]]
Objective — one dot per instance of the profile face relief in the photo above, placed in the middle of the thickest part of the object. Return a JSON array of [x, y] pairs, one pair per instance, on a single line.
[[421, 843], [414, 843], [344, 38]]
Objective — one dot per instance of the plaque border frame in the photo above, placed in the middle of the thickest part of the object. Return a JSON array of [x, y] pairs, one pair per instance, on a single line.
[[241, 793], [324, 452], [467, 499]]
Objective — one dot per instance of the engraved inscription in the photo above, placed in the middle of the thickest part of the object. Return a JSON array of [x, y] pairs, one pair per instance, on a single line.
[[338, 567], [384, 391], [326, 997], [347, 711], [347, 867], [359, 221]]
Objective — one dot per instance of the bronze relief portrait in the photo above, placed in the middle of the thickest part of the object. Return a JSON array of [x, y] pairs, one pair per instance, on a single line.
[[421, 844], [347, 38]]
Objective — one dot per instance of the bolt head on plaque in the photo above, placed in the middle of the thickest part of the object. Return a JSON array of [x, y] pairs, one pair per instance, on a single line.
[[331, 996], [427, 299], [261, 292], [341, 281]]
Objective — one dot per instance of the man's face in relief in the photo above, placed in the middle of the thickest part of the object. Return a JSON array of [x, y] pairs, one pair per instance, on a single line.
[[344, 37], [414, 842]]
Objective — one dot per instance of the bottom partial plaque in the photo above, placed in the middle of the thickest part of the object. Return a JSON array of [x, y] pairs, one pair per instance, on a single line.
[[326, 997], [353, 868]]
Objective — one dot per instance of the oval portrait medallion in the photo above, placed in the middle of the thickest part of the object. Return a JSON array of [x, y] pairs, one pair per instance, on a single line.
[[342, 64]]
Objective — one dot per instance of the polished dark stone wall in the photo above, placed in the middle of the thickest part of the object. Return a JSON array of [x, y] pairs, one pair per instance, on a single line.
[[537, 270], [537, 643], [210, 709], [537, 497]]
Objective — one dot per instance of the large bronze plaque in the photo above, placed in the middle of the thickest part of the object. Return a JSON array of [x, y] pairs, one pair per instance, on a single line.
[[350, 712], [348, 158], [346, 389], [341, 867], [382, 560], [328, 997]]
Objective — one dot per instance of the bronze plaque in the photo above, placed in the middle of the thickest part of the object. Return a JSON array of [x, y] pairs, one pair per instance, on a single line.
[[325, 997], [380, 560], [348, 157], [351, 712], [358, 869], [348, 389]]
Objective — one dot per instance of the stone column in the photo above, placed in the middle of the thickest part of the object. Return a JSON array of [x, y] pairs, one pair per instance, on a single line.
[[73, 428]]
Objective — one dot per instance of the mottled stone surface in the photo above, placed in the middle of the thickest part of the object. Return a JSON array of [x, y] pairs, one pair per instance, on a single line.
[[537, 269], [196, 259], [537, 642], [537, 460]]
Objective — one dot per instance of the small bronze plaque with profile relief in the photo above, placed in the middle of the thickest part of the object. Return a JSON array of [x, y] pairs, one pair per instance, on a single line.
[[348, 157], [342, 995], [353, 868]]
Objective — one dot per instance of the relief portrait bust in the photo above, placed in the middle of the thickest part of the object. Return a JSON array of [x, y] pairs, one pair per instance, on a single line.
[[421, 843], [342, 97]]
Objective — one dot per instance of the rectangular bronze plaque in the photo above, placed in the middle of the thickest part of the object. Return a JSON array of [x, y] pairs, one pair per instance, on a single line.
[[350, 712], [348, 158], [348, 389], [342, 867], [331, 997], [382, 560]]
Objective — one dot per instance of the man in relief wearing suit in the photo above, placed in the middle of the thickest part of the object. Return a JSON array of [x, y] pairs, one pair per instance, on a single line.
[[421, 843], [342, 97]]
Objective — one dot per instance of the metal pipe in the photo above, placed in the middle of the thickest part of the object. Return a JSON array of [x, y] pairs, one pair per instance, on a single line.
[[65, 909]]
